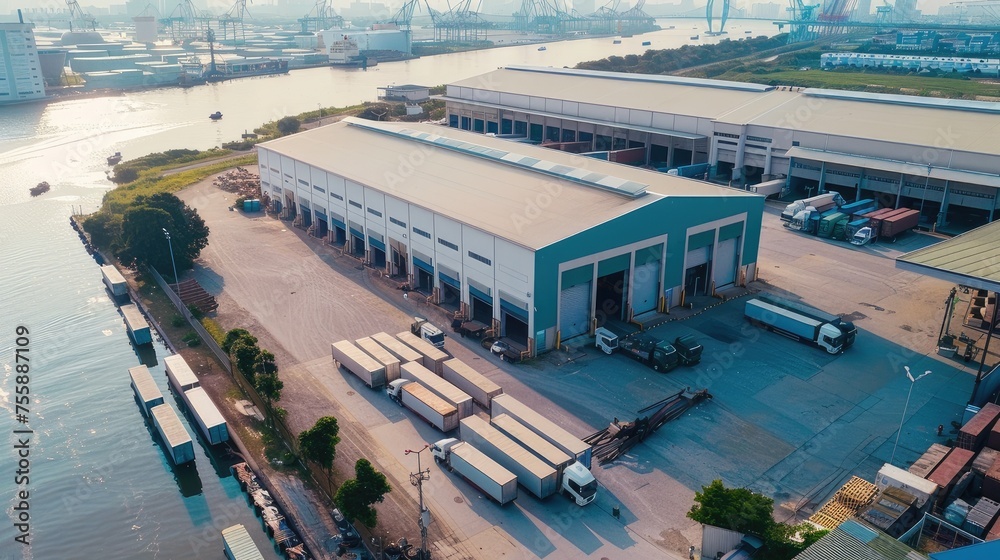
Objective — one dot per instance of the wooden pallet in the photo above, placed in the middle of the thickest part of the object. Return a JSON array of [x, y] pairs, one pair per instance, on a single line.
[[847, 502]]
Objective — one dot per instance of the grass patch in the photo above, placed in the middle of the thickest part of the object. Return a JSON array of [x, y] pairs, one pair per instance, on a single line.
[[869, 81], [214, 329]]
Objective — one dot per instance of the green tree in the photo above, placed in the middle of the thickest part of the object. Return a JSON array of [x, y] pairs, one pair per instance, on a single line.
[[105, 229], [264, 364], [357, 495], [143, 240], [235, 334], [268, 386], [288, 125], [243, 354], [737, 509], [319, 443]]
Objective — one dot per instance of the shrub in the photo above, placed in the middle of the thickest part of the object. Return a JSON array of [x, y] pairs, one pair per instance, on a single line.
[[191, 339], [177, 321], [214, 329]]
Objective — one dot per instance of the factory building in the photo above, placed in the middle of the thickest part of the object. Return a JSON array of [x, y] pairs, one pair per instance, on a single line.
[[21, 76], [935, 155], [540, 245]]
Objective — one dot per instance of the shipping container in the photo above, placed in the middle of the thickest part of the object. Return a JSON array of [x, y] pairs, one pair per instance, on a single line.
[[135, 322], [354, 360], [432, 408], [382, 356], [475, 384], [180, 374], [954, 465], [211, 422], [921, 489], [981, 517], [489, 476], [532, 473], [976, 431], [993, 441], [929, 460], [432, 358], [145, 388], [450, 393], [984, 460], [114, 281], [175, 437], [827, 222], [552, 455], [896, 224], [239, 544], [859, 207], [554, 434], [853, 227], [991, 482], [877, 219], [400, 351]]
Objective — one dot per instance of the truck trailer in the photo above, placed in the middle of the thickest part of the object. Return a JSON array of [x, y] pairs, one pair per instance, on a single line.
[[821, 202], [440, 387], [430, 356], [488, 476], [475, 384], [801, 322], [655, 353], [433, 409], [547, 429], [899, 223], [354, 360], [382, 356], [533, 474], [425, 330]]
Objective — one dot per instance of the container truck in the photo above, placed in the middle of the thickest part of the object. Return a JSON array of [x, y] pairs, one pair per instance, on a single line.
[[354, 360], [820, 202], [859, 207], [400, 351], [657, 354], [475, 384], [425, 330], [575, 480], [801, 322], [538, 478], [180, 374], [488, 476], [899, 223], [382, 356], [827, 224], [547, 429], [425, 404], [853, 226], [432, 357], [440, 387]]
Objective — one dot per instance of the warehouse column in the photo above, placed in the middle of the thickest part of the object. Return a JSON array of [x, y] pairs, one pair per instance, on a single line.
[[899, 191], [822, 178], [767, 162], [857, 187], [943, 213], [741, 146]]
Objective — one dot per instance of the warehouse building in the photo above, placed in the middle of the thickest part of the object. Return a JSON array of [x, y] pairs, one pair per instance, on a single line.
[[541, 245], [935, 155]]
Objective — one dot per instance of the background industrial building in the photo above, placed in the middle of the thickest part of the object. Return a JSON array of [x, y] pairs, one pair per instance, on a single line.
[[20, 71], [539, 244], [930, 154]]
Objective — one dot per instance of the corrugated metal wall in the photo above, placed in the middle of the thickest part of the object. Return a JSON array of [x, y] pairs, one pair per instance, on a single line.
[[716, 541]]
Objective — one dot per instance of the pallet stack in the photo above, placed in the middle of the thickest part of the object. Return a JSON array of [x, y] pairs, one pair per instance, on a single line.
[[854, 496]]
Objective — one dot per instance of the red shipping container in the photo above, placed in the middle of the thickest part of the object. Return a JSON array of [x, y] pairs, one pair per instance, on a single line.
[[991, 483], [993, 442], [957, 462], [976, 431]]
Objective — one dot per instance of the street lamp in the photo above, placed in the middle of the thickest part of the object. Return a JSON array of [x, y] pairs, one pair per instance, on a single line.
[[172, 263], [913, 382], [417, 479]]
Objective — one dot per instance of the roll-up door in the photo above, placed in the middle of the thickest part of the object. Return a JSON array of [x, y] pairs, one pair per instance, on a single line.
[[574, 310], [696, 257], [725, 262], [646, 287]]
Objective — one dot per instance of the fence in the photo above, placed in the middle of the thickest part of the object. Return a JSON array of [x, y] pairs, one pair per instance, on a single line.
[[195, 323]]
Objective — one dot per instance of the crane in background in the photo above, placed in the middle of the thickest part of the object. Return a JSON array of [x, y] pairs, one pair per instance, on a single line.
[[322, 16], [81, 18]]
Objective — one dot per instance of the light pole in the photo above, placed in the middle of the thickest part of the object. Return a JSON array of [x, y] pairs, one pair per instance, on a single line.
[[172, 263], [417, 479], [913, 381]]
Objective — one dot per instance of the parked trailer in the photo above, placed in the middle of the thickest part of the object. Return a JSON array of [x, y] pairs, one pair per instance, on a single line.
[[400, 351], [239, 545], [897, 224], [382, 356], [211, 422], [877, 219], [554, 434], [440, 387], [136, 324], [929, 460], [538, 478], [431, 357], [180, 374], [921, 489], [488, 476], [820, 202], [354, 360], [854, 225], [145, 388], [827, 224], [951, 469], [801, 322], [475, 384], [114, 281], [769, 188], [859, 207], [175, 437], [432, 408]]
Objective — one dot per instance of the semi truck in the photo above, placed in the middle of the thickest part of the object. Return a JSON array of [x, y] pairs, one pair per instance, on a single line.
[[575, 480], [547, 429], [431, 356], [433, 409], [820, 203], [381, 355], [425, 330], [657, 354], [440, 387], [475, 384], [488, 476], [801, 322], [533, 474], [354, 360]]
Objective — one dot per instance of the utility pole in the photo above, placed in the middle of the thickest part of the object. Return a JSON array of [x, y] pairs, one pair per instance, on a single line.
[[172, 263], [417, 479]]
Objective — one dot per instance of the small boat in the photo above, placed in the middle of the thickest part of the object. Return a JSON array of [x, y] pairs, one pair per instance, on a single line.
[[671, 27], [748, 31], [616, 42], [647, 43], [40, 188], [542, 48], [216, 115], [694, 37], [113, 160]]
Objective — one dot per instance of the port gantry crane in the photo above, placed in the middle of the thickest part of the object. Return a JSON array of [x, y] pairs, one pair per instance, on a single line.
[[78, 16], [234, 18], [322, 16]]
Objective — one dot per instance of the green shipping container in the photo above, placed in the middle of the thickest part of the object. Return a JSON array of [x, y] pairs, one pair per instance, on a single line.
[[827, 224]]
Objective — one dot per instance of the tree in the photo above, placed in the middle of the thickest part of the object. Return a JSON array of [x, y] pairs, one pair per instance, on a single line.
[[269, 388], [235, 334], [244, 355], [264, 364], [105, 229], [143, 240], [288, 125], [737, 509], [319, 443], [356, 496]]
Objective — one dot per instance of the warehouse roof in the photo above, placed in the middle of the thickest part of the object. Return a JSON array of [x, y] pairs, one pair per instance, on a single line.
[[971, 259], [967, 126], [855, 540], [529, 195]]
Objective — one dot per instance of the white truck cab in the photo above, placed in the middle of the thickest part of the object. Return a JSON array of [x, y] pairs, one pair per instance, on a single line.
[[425, 330], [607, 341]]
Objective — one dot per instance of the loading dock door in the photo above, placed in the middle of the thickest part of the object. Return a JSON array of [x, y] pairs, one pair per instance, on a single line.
[[574, 310], [482, 310], [646, 287], [725, 262], [514, 322], [696, 274]]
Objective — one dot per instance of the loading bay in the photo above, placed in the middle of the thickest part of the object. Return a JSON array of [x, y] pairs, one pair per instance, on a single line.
[[786, 419]]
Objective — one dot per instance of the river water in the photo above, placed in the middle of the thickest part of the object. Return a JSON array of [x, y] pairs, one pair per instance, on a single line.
[[100, 484]]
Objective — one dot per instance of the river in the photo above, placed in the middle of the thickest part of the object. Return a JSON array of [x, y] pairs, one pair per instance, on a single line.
[[100, 484]]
